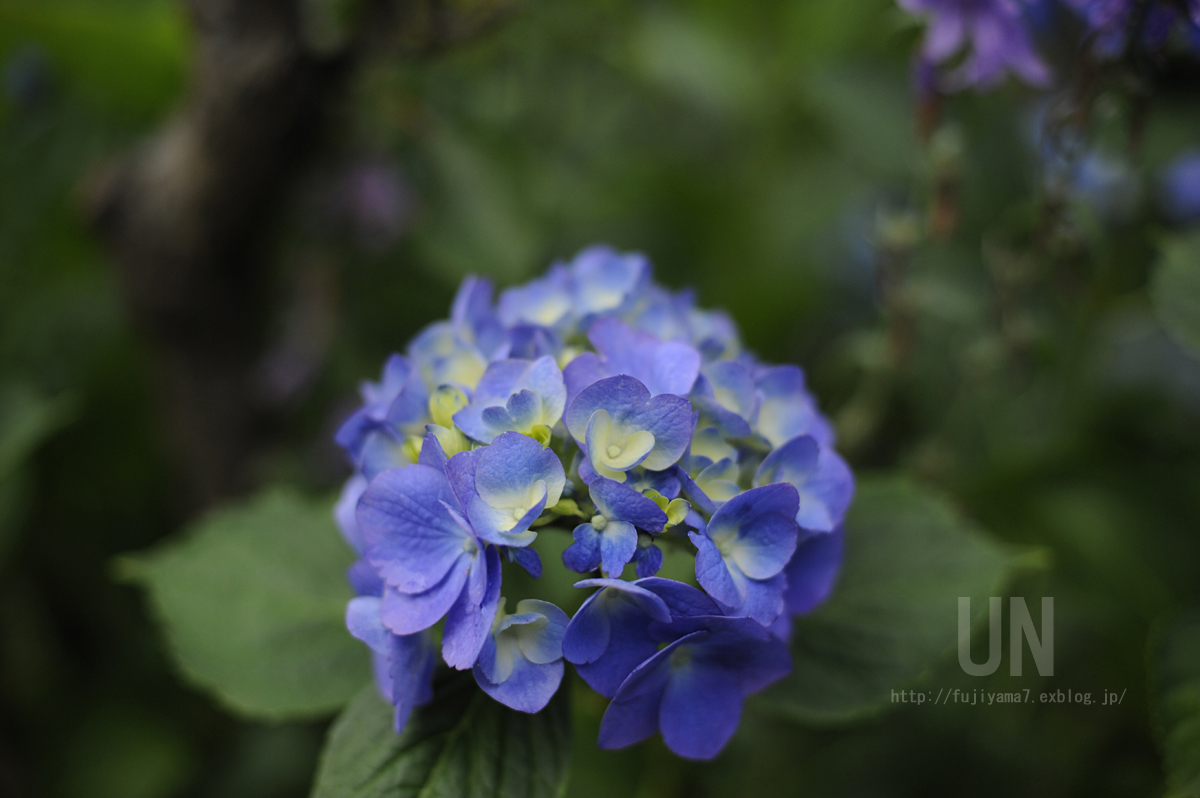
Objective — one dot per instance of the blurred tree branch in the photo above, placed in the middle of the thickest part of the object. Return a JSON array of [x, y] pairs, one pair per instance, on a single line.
[[189, 213]]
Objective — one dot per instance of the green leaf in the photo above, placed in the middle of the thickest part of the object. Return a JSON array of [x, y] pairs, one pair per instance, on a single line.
[[1176, 290], [463, 744], [894, 611], [1179, 705], [252, 600], [27, 419]]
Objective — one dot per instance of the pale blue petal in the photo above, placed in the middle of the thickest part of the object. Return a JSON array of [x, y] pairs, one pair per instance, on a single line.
[[618, 395], [793, 462], [508, 468], [545, 644], [528, 688], [364, 623], [763, 522], [345, 512]]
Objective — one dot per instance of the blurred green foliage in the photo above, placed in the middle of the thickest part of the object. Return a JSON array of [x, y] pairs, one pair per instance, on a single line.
[[1020, 364]]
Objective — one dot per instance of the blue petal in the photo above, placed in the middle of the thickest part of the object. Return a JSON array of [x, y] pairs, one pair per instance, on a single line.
[[345, 512], [409, 534], [787, 409], [468, 623], [583, 556], [764, 599], [608, 637], [432, 454], [405, 614], [633, 714], [614, 394], [584, 370], [544, 644], [362, 619], [621, 502], [648, 600], [681, 600], [513, 395], [528, 688], [700, 710], [531, 341], [713, 573], [411, 664], [813, 571], [667, 417], [762, 522], [589, 631], [793, 462], [663, 367], [409, 410], [618, 542], [382, 449], [364, 579], [739, 645], [648, 561], [528, 558], [825, 482], [826, 497], [545, 301], [605, 280], [508, 468]]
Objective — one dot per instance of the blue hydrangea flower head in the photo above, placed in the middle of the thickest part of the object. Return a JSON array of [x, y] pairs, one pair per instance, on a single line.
[[593, 402]]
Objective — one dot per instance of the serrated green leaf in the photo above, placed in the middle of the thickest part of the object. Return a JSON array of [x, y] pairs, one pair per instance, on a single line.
[[1179, 706], [252, 599], [1176, 291], [909, 556], [463, 744]]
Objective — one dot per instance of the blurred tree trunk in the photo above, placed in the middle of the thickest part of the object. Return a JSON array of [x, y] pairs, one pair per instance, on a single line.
[[189, 214]]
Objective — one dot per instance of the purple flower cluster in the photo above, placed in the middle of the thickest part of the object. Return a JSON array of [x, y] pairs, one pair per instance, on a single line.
[[591, 398], [1114, 24], [993, 33]]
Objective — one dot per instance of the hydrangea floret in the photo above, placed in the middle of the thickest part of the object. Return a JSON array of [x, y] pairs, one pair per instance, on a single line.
[[593, 403]]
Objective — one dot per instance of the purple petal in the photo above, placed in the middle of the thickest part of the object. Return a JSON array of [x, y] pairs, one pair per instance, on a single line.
[[583, 556], [700, 710], [406, 614], [713, 573], [618, 542], [410, 537], [528, 688], [363, 622], [468, 624], [621, 502], [813, 571]]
